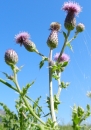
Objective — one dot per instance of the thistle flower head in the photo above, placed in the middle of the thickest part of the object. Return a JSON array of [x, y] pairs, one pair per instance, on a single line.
[[63, 58], [72, 7], [22, 37], [55, 26], [11, 57], [80, 27]]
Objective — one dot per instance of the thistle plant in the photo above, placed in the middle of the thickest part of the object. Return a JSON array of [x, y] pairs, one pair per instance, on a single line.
[[29, 111], [79, 115]]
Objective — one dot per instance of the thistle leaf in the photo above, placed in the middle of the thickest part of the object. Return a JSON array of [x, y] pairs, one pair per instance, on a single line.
[[65, 36], [42, 62], [69, 45]]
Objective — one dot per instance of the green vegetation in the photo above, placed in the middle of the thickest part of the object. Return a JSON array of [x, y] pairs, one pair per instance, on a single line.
[[2, 127], [65, 127], [29, 114]]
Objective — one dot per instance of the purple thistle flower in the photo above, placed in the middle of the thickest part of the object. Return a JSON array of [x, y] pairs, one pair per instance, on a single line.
[[63, 58], [22, 37], [72, 7]]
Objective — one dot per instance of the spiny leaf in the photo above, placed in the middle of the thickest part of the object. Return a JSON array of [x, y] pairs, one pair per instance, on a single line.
[[64, 85], [45, 58], [21, 67], [56, 67], [25, 89], [36, 102], [47, 115], [56, 103], [65, 36], [42, 62], [64, 64], [59, 67], [88, 107], [8, 76], [69, 45], [55, 76]]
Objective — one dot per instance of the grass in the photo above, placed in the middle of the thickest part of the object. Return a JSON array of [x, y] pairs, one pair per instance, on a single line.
[[64, 127], [2, 127], [69, 127]]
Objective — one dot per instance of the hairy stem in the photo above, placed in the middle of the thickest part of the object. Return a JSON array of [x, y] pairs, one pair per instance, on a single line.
[[59, 88], [51, 89]]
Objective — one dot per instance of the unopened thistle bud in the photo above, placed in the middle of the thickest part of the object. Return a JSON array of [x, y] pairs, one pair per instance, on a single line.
[[30, 46], [80, 27], [11, 57], [72, 9], [52, 41]]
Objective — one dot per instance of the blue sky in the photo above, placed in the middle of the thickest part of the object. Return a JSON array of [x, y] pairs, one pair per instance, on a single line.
[[35, 18]]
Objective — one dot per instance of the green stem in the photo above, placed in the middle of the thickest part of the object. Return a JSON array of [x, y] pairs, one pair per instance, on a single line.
[[59, 83], [40, 54], [50, 89], [10, 86], [24, 99], [21, 118], [31, 111], [65, 42], [73, 38]]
